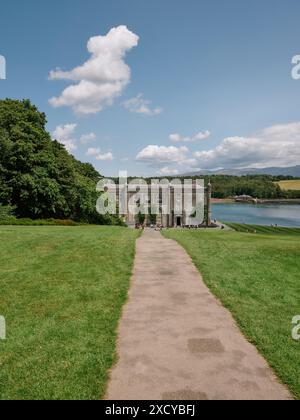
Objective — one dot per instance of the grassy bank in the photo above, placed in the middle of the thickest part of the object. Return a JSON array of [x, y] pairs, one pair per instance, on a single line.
[[62, 290], [257, 278]]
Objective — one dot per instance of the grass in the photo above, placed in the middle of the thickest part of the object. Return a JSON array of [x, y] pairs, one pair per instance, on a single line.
[[257, 278], [292, 185], [264, 229], [62, 291]]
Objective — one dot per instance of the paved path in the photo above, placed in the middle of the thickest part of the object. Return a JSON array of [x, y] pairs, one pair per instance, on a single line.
[[177, 342]]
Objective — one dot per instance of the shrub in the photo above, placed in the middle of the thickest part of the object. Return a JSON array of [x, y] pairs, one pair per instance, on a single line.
[[6, 212]]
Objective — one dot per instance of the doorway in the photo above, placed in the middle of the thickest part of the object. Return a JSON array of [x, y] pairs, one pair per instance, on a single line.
[[178, 221]]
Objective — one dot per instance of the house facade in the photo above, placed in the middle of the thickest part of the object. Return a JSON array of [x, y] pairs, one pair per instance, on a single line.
[[171, 210]]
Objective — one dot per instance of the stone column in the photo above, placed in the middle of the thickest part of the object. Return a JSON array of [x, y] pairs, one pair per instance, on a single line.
[[208, 204], [146, 223], [165, 221], [159, 218]]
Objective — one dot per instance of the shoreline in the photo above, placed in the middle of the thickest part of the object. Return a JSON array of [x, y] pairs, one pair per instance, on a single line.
[[222, 200], [262, 201]]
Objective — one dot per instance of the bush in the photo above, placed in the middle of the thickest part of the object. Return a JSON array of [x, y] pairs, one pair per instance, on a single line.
[[6, 212]]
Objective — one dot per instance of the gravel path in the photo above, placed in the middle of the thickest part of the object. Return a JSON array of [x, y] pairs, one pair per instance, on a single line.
[[177, 342]]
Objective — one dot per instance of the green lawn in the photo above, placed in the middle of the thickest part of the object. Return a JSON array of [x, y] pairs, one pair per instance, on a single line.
[[257, 278], [264, 229], [62, 291]]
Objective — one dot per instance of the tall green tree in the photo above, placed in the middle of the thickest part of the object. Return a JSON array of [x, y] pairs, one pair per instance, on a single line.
[[37, 175]]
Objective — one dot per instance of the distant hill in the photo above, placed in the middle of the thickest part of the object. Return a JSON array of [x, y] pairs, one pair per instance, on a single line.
[[293, 171]]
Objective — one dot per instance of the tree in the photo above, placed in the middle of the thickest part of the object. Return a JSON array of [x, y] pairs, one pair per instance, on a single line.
[[37, 175]]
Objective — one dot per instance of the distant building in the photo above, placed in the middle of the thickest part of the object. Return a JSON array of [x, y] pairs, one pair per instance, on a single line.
[[174, 218]]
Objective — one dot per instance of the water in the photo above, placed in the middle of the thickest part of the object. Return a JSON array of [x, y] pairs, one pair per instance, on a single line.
[[268, 214]]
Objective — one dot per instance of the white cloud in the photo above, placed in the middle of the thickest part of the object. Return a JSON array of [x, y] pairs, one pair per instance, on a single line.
[[278, 145], [169, 160], [168, 171], [139, 105], [177, 138], [105, 156], [64, 134], [92, 151], [162, 154], [191, 162], [98, 155], [102, 77], [202, 135], [88, 138]]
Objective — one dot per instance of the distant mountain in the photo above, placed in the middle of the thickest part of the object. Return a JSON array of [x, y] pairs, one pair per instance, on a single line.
[[291, 171]]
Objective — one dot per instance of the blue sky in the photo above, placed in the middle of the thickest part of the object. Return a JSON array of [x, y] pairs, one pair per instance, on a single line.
[[218, 75]]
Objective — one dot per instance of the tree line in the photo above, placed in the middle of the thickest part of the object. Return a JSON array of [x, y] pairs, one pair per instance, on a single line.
[[257, 186]]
